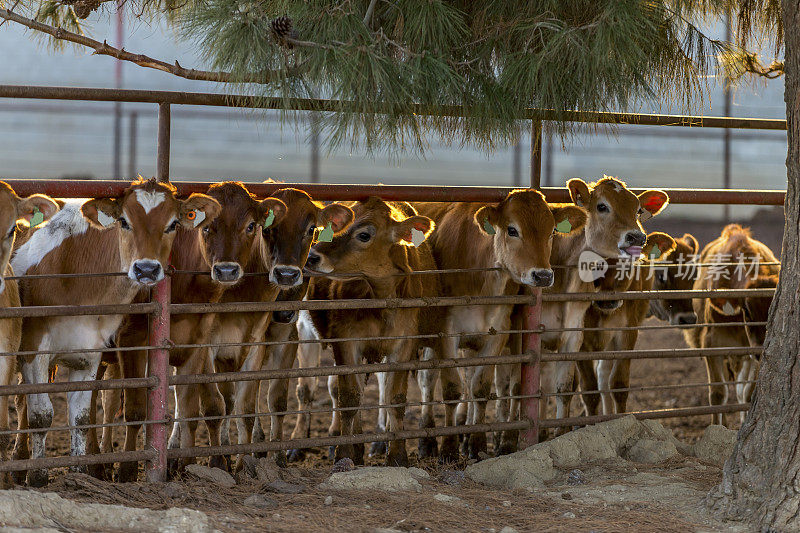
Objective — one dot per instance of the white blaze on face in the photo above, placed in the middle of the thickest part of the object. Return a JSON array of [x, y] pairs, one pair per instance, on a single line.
[[149, 200]]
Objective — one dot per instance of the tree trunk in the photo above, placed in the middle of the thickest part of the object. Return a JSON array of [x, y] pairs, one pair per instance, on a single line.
[[761, 480]]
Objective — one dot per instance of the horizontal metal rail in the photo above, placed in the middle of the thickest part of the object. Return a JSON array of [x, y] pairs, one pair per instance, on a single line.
[[408, 193], [677, 412], [78, 310], [648, 388], [667, 353], [75, 460], [69, 386], [85, 426], [320, 105]]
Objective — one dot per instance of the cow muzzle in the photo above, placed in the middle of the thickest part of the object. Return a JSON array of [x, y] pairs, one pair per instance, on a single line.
[[539, 277], [607, 305], [146, 271], [226, 272], [286, 276], [317, 263], [632, 242]]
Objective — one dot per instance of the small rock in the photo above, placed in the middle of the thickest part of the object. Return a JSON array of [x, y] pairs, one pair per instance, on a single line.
[[343, 465], [576, 477], [651, 451], [452, 477], [566, 496], [367, 506], [716, 444], [483, 456], [249, 464], [418, 472], [214, 475], [283, 487], [329, 500], [444, 498], [260, 501], [267, 470], [276, 516], [506, 503], [508, 529], [568, 515], [386, 478]]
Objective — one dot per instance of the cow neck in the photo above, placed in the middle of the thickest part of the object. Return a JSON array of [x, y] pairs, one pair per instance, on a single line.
[[187, 255], [568, 248]]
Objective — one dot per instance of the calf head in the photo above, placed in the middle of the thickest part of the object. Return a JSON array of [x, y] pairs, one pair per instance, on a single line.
[[146, 217], [677, 275], [289, 240], [32, 210], [522, 228], [614, 228], [229, 241], [621, 274], [374, 245]]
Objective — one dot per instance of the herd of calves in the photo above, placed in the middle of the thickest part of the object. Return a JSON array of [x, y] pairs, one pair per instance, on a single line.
[[290, 247]]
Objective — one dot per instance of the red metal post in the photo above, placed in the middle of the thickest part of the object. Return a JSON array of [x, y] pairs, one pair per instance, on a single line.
[[531, 343]]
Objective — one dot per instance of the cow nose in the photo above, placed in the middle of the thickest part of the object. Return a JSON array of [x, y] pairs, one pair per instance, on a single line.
[[287, 276], [687, 318], [635, 238], [227, 272], [147, 271], [314, 259], [284, 317], [542, 277]]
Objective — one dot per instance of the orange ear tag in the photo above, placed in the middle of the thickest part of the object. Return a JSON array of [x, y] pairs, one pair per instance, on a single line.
[[196, 217]]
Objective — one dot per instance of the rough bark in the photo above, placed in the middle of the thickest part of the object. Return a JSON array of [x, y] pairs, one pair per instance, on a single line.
[[761, 480]]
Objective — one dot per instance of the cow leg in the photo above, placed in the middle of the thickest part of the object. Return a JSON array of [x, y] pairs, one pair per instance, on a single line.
[[212, 404], [744, 391], [604, 371], [380, 447], [227, 390], [426, 379], [308, 355], [21, 449], [6, 379], [100, 471], [502, 386], [80, 404], [717, 394], [334, 429], [397, 389], [509, 439], [175, 435], [132, 365], [589, 387], [349, 394], [621, 373], [451, 391], [481, 386], [112, 402], [466, 410], [282, 357], [40, 413]]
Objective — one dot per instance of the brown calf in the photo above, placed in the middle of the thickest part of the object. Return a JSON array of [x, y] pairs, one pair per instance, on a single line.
[[735, 245], [12, 210], [613, 231], [516, 235], [677, 275], [378, 246], [282, 251], [133, 233]]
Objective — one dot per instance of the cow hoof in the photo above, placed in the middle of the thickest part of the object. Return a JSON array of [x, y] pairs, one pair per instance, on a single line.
[[428, 447], [296, 455], [37, 478], [477, 446], [449, 453], [506, 448], [280, 459], [377, 448]]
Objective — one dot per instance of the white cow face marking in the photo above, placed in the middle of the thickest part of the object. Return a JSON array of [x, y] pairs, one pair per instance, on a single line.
[[149, 200]]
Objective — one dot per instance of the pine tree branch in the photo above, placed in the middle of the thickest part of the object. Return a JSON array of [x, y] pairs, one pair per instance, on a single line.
[[370, 11], [263, 77]]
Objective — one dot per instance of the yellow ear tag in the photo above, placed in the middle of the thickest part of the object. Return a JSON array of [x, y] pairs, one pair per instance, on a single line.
[[655, 251], [488, 227], [564, 226], [37, 217], [270, 219], [326, 235]]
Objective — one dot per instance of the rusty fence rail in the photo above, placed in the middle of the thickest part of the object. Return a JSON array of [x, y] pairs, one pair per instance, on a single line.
[[529, 355]]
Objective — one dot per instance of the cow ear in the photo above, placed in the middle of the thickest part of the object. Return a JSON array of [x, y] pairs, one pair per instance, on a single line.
[[198, 211], [270, 212], [338, 215], [413, 230], [653, 202], [102, 213], [569, 218], [657, 246], [37, 208], [488, 219], [689, 240], [579, 192]]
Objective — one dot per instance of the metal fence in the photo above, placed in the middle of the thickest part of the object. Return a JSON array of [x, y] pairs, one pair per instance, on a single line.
[[530, 356]]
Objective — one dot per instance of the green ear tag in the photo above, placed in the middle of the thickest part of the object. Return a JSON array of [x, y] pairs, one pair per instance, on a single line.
[[488, 227], [37, 217], [564, 226], [270, 219], [655, 251], [326, 235]]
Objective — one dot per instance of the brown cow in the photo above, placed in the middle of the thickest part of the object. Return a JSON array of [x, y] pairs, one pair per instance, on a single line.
[[13, 209], [516, 235], [223, 247], [615, 374], [678, 274], [378, 246], [133, 233], [282, 251], [613, 230], [736, 245]]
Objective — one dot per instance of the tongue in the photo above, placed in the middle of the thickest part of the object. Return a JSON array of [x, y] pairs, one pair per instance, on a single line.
[[634, 251]]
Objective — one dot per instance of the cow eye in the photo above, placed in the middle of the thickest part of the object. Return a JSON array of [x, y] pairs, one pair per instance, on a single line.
[[311, 229], [363, 236], [124, 224], [171, 227], [512, 231], [251, 227], [602, 208]]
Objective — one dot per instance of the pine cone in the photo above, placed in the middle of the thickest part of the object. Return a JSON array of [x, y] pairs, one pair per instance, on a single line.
[[282, 26], [84, 8]]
